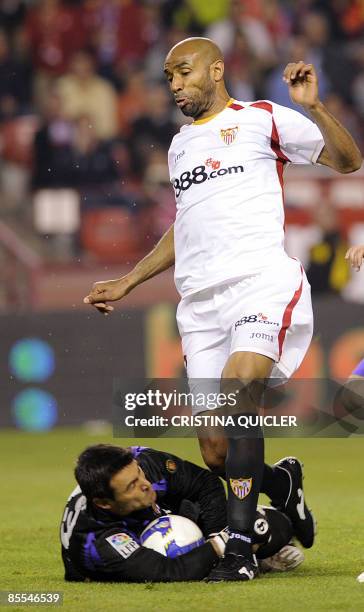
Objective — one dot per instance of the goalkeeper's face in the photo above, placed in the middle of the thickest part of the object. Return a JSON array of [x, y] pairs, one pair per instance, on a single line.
[[132, 491]]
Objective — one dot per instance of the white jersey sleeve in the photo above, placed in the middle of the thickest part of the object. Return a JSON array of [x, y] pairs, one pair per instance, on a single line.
[[300, 139]]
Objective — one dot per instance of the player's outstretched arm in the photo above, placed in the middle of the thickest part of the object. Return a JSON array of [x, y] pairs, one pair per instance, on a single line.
[[340, 151], [158, 260], [355, 256]]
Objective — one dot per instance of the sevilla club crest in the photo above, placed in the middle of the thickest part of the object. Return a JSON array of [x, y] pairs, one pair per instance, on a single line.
[[229, 134], [241, 487]]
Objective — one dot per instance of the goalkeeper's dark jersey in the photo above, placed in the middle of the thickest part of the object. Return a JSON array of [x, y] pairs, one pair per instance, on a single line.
[[99, 545]]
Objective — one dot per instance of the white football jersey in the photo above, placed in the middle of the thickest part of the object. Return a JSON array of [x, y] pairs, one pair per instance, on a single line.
[[226, 171]]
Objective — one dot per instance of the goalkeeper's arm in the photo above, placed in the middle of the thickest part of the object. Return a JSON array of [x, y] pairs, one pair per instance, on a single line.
[[146, 565]]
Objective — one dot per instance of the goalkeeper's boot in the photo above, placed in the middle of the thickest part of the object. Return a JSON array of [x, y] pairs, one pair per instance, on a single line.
[[294, 506], [234, 567]]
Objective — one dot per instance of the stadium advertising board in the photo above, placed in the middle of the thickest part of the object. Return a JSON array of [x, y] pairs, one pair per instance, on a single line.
[[61, 368]]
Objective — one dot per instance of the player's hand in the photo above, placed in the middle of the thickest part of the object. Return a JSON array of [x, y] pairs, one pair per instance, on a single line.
[[108, 291], [302, 83], [355, 256]]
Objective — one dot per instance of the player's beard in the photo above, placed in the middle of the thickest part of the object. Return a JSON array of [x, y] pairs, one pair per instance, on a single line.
[[203, 102]]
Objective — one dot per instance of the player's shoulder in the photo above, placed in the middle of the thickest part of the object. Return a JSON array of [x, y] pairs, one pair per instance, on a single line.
[[156, 462], [146, 454], [252, 112], [266, 111], [136, 451], [267, 106], [181, 139]]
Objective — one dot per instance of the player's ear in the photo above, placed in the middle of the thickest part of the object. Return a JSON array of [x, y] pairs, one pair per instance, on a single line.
[[217, 70], [102, 502]]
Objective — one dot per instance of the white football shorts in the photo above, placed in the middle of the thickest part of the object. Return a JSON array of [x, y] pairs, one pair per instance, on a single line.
[[269, 313]]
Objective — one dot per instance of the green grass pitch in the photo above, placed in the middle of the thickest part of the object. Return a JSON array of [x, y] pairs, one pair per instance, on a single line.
[[38, 478]]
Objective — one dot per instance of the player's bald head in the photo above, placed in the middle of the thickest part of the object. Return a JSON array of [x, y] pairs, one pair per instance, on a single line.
[[201, 48], [195, 71]]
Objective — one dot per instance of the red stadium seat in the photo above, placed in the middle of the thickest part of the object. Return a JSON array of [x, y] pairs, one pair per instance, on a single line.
[[110, 234]]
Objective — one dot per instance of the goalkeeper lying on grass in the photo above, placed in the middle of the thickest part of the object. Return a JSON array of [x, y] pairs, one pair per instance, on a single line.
[[122, 490]]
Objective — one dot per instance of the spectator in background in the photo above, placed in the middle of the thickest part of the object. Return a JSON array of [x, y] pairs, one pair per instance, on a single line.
[[327, 271], [93, 170], [55, 31], [68, 154], [275, 89], [331, 59], [17, 124], [83, 93], [41, 45], [153, 130], [131, 101], [344, 113], [358, 83], [161, 210], [12, 14], [346, 17], [196, 16], [264, 24], [223, 31], [120, 32], [15, 82], [73, 170], [353, 19], [242, 69], [260, 23], [52, 147], [250, 37], [155, 56]]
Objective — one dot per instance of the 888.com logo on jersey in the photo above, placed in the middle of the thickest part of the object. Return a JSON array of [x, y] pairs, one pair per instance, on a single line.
[[198, 175]]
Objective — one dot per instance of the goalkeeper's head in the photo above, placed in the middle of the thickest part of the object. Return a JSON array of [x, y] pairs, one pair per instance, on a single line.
[[111, 479]]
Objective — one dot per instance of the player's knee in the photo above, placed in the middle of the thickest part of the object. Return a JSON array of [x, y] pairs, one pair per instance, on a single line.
[[245, 370], [247, 388], [237, 370]]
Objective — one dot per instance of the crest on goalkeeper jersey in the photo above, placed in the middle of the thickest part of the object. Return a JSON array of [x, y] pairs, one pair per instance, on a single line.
[[171, 466], [241, 487], [229, 134]]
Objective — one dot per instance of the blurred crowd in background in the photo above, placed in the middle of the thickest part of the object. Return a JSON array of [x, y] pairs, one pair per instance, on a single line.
[[86, 117]]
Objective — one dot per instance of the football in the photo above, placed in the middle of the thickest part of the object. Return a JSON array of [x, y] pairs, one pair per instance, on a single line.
[[172, 535]]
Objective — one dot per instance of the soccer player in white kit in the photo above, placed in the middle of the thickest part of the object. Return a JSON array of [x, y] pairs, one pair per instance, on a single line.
[[245, 313]]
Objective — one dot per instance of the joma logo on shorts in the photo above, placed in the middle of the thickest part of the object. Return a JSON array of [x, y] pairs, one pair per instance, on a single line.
[[258, 336], [259, 318]]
